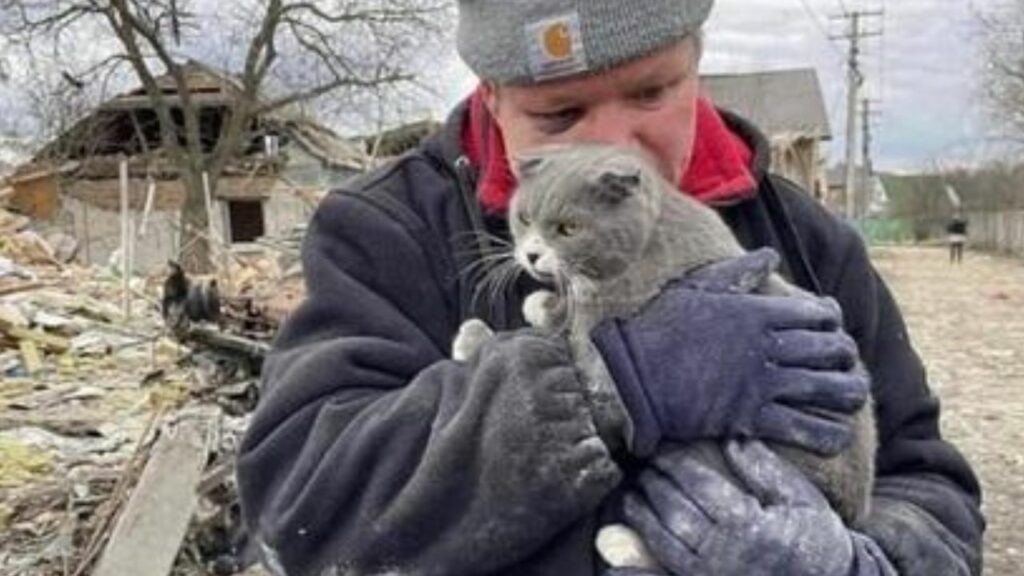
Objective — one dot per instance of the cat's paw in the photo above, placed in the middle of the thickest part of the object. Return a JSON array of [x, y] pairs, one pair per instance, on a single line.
[[472, 335], [621, 547], [742, 274], [541, 309]]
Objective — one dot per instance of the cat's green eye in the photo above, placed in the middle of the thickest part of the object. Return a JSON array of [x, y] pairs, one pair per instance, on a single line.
[[524, 219], [568, 228]]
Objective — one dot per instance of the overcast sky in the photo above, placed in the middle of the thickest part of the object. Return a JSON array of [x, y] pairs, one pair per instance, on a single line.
[[922, 71]]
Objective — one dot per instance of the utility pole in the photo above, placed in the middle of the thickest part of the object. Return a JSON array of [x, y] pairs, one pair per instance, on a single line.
[[865, 110], [867, 113], [855, 79]]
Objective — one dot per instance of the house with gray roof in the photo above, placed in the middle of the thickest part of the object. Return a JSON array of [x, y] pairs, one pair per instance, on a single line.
[[787, 105]]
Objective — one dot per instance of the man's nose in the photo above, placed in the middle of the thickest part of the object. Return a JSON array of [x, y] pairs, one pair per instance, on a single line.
[[612, 124]]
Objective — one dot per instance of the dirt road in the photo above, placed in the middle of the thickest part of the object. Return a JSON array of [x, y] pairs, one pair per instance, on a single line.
[[967, 323]]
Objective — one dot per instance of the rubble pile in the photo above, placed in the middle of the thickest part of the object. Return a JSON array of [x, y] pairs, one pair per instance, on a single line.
[[278, 260], [110, 419]]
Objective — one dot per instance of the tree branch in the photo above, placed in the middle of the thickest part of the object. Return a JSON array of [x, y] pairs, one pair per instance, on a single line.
[[376, 15], [323, 89], [259, 58], [133, 25], [126, 34]]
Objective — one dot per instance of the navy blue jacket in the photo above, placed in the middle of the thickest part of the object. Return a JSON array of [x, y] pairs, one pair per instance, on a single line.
[[372, 453]]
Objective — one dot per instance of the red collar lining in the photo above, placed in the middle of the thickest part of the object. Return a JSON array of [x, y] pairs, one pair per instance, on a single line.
[[718, 172]]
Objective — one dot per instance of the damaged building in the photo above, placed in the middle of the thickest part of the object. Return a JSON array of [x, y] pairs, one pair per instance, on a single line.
[[72, 185], [787, 105]]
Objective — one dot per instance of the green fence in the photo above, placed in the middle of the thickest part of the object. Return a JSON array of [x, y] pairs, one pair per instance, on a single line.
[[901, 230]]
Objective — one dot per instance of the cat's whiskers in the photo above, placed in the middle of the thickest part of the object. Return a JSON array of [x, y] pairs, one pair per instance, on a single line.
[[496, 281], [486, 261], [480, 242]]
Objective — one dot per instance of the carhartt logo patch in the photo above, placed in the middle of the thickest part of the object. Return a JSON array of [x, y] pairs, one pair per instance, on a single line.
[[557, 41], [555, 47]]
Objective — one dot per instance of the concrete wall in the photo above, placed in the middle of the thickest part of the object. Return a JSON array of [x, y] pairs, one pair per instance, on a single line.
[[99, 235], [288, 201], [99, 231], [284, 211]]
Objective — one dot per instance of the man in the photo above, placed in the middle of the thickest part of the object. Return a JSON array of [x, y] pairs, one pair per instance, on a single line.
[[371, 453]]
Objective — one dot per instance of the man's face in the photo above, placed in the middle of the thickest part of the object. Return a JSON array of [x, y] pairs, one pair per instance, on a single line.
[[649, 104]]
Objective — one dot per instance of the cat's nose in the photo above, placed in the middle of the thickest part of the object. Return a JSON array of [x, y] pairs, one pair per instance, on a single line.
[[532, 258]]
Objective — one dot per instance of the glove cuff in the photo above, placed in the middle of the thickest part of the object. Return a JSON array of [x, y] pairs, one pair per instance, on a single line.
[[644, 433], [868, 557]]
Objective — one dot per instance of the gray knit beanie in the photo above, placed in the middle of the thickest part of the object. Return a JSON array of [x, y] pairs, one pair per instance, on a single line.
[[530, 41]]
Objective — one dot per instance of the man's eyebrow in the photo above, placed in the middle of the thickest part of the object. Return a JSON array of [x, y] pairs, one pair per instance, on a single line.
[[559, 102], [655, 80]]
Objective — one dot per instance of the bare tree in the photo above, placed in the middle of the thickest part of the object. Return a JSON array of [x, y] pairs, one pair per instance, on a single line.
[[282, 53], [1003, 75]]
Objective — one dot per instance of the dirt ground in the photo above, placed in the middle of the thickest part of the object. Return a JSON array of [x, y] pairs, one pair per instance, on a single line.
[[967, 324]]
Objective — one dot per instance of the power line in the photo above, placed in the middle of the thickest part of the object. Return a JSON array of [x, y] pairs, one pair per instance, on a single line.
[[821, 28]]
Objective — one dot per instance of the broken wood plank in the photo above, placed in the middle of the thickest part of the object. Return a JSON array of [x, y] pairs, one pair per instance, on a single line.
[[65, 426], [30, 356], [10, 315], [149, 532], [46, 341], [22, 287]]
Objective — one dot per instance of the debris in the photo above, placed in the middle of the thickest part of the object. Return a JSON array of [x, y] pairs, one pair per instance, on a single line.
[[11, 315], [51, 321], [30, 356], [149, 532], [63, 425], [47, 341], [20, 287], [5, 516], [99, 343], [27, 247], [63, 248], [21, 463], [153, 377], [85, 390], [11, 223], [248, 349], [9, 268]]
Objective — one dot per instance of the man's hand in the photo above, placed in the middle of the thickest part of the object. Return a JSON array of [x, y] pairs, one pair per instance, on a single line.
[[705, 360], [696, 521]]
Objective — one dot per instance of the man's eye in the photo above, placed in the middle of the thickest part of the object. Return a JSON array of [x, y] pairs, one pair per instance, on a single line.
[[651, 95], [655, 94], [559, 120]]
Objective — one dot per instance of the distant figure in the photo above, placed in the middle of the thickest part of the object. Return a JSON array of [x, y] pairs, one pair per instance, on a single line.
[[957, 234]]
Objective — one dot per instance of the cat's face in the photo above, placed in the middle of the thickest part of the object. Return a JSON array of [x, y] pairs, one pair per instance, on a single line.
[[582, 211]]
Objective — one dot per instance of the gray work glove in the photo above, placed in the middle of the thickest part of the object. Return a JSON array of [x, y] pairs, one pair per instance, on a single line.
[[698, 522], [704, 360]]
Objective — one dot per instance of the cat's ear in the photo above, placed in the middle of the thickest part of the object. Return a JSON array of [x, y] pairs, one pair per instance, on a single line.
[[614, 187], [528, 166]]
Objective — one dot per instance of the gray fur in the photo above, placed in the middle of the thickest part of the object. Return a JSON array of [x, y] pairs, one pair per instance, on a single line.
[[633, 232]]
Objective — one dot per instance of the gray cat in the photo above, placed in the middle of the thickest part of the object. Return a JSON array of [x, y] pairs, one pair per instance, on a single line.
[[609, 232]]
